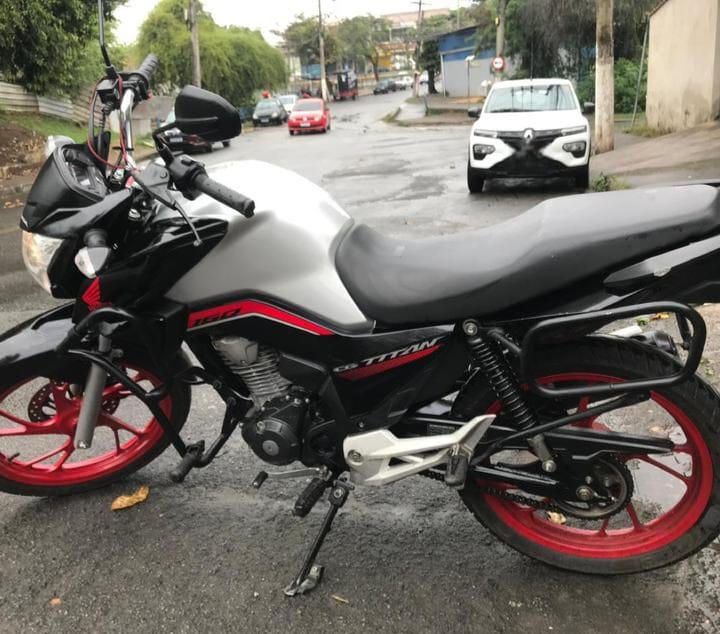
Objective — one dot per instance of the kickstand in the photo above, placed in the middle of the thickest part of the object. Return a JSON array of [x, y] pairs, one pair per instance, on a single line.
[[311, 573]]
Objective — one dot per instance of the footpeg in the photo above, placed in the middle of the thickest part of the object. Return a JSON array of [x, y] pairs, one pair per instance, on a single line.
[[310, 496], [192, 456], [457, 469]]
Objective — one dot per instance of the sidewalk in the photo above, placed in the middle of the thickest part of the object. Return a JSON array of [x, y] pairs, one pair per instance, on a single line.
[[684, 155]]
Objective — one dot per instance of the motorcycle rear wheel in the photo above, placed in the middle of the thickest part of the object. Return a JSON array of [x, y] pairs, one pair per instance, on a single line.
[[38, 417], [647, 533]]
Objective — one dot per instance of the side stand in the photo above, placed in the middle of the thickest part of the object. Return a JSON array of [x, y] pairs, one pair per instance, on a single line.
[[311, 573]]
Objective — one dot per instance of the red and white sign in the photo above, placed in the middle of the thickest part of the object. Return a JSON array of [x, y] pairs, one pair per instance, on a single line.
[[498, 64]]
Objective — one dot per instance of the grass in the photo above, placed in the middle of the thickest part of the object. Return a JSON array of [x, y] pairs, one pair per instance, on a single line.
[[45, 125], [605, 183], [391, 117], [646, 131]]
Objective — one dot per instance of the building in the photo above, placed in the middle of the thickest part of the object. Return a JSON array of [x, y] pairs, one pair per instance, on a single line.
[[683, 86], [403, 24], [462, 76]]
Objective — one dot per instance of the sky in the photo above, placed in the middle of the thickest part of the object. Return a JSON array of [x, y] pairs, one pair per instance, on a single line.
[[270, 15]]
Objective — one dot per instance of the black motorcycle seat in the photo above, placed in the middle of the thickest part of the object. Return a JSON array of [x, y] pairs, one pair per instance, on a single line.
[[559, 242]]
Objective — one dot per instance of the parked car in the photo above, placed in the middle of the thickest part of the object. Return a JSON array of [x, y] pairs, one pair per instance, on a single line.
[[269, 111], [288, 101], [308, 115], [384, 86], [189, 143], [404, 82], [529, 128]]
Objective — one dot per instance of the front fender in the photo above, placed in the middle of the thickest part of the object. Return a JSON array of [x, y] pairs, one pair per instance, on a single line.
[[29, 348]]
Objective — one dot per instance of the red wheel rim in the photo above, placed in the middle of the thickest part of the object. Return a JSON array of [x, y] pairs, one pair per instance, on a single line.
[[60, 466], [639, 538]]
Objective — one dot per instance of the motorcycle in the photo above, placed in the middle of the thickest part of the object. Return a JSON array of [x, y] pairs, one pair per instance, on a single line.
[[485, 361]]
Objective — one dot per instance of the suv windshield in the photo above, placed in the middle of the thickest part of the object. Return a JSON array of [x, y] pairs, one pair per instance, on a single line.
[[535, 98], [287, 100]]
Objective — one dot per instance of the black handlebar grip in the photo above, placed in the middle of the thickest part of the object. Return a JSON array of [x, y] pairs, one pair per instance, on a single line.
[[149, 65], [225, 195]]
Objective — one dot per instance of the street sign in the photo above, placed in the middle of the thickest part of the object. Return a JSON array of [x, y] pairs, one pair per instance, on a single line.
[[498, 64]]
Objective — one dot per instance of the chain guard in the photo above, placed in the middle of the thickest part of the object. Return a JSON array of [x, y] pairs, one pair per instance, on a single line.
[[554, 506]]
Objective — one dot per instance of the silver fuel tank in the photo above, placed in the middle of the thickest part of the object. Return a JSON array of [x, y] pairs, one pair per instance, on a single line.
[[286, 251]]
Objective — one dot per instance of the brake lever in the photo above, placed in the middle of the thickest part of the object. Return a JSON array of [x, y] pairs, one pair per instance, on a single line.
[[154, 180]]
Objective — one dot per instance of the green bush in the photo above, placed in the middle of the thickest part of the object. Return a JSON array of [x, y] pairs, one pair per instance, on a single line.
[[626, 74]]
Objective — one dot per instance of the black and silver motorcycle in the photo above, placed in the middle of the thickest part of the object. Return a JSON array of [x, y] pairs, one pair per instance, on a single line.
[[484, 361]]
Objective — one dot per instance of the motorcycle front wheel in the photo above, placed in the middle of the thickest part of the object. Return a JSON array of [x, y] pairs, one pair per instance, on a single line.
[[672, 508], [38, 417]]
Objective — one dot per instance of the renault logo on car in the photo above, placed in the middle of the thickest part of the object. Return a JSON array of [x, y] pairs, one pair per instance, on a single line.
[[528, 136]]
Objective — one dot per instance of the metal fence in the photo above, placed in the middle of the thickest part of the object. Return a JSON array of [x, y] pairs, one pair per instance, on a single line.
[[17, 99]]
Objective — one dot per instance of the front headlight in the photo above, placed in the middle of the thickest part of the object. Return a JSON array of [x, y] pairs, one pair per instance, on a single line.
[[274, 115], [574, 130], [38, 252], [488, 133]]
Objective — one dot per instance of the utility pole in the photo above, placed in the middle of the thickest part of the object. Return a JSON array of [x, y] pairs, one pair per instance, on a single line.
[[500, 30], [195, 42], [416, 85], [323, 79], [604, 79]]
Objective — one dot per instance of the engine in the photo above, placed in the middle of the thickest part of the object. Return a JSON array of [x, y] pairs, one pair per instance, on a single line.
[[274, 432]]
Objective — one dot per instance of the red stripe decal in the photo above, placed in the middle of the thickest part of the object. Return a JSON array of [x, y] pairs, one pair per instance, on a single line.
[[248, 308], [370, 370]]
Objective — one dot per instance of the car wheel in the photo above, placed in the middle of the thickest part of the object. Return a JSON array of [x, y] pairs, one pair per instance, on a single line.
[[226, 143], [292, 132], [582, 179], [475, 182]]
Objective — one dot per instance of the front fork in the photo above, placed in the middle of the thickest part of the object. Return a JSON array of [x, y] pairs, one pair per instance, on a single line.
[[92, 398]]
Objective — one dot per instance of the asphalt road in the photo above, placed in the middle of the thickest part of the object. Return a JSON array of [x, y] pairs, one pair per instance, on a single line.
[[213, 554]]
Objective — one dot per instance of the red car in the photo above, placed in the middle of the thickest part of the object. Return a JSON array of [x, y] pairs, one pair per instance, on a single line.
[[309, 114]]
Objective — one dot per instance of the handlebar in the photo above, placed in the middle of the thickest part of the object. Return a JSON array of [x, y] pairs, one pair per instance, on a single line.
[[149, 65], [202, 182]]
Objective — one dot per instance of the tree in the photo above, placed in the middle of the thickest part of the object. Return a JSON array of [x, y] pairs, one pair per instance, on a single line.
[[604, 84], [301, 39], [557, 37], [360, 38], [236, 61], [50, 46]]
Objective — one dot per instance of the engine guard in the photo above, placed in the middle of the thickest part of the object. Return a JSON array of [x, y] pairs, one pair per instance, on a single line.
[[30, 347]]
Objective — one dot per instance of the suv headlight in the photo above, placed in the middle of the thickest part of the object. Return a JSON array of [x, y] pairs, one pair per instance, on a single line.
[[38, 252], [574, 130]]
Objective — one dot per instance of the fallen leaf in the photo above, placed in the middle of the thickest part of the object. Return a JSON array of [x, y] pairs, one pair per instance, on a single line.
[[642, 321], [127, 501], [658, 316], [556, 518], [340, 599], [55, 601]]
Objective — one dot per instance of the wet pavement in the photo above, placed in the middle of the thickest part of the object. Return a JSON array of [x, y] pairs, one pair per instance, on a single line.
[[212, 554]]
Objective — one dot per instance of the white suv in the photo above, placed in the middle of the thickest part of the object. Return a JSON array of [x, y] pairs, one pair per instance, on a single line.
[[529, 128]]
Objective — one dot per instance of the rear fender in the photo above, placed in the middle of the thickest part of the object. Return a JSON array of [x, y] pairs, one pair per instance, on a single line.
[[30, 348]]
